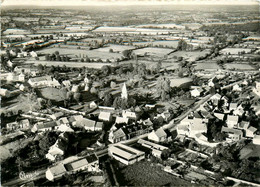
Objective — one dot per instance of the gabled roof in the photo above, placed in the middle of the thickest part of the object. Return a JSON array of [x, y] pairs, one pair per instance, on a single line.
[[160, 132], [121, 120], [120, 133], [39, 79], [252, 129], [57, 170], [219, 116], [46, 125], [78, 164], [232, 118], [104, 116], [231, 131]]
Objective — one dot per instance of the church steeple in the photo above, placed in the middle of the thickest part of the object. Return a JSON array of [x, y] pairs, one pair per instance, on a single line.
[[124, 94]]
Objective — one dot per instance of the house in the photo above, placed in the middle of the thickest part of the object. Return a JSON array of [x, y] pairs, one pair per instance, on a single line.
[[66, 83], [105, 116], [250, 132], [75, 88], [93, 105], [232, 106], [12, 126], [4, 92], [215, 98], [117, 135], [21, 87], [56, 115], [219, 116], [256, 140], [33, 54], [239, 111], [196, 92], [120, 120], [74, 119], [237, 88], [232, 121], [158, 136], [191, 127], [99, 126], [125, 154], [148, 122], [243, 125], [57, 149], [55, 172], [21, 77], [24, 124], [256, 89], [88, 124], [155, 148], [64, 128], [63, 120], [43, 81], [128, 114], [233, 134], [43, 127], [90, 163]]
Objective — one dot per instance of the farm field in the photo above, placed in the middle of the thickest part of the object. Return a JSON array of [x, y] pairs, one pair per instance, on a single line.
[[82, 53], [145, 173], [234, 51], [176, 82], [115, 48], [69, 64], [207, 65], [167, 25], [165, 43], [239, 66], [152, 51], [189, 55]]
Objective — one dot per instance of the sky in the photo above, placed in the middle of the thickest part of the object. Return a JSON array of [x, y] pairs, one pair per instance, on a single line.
[[123, 2]]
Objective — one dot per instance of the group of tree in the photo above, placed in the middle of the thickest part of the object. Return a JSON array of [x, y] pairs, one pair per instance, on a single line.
[[163, 88]]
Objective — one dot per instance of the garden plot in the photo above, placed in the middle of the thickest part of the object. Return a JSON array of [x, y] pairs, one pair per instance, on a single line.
[[150, 51]]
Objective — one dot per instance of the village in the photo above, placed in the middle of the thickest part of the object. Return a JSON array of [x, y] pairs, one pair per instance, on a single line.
[[89, 101]]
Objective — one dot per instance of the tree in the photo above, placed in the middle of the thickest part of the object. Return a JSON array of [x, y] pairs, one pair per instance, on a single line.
[[127, 53], [76, 96], [108, 100], [106, 70]]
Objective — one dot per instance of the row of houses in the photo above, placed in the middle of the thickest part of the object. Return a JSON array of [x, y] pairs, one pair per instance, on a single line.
[[88, 164]]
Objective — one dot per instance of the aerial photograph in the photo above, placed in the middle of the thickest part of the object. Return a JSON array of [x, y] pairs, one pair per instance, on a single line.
[[130, 93]]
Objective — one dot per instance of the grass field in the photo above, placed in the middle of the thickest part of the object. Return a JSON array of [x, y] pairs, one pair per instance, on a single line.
[[153, 51], [176, 82], [189, 55], [53, 94], [145, 173], [68, 64], [239, 66], [207, 65], [234, 51], [72, 52]]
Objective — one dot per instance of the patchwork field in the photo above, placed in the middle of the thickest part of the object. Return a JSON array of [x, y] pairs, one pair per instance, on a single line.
[[150, 51], [239, 66]]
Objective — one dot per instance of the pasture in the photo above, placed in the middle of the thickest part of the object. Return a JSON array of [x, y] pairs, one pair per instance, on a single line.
[[150, 51], [115, 48], [234, 51], [207, 65]]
